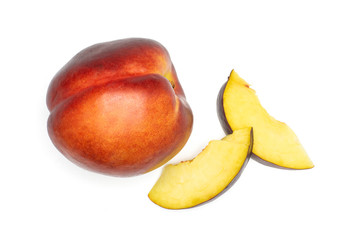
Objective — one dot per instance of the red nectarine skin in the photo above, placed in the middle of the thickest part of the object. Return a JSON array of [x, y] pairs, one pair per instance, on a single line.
[[118, 108], [106, 62]]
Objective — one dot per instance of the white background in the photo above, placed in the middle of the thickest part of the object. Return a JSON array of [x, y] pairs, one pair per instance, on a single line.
[[302, 58]]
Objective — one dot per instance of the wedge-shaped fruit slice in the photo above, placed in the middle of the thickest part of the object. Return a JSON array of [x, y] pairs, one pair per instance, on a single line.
[[239, 107], [213, 171]]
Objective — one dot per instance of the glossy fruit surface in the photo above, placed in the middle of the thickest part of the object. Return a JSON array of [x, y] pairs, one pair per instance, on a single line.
[[118, 108]]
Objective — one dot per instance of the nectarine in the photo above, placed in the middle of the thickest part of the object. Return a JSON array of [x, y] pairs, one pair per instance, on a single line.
[[118, 108], [207, 176], [274, 141]]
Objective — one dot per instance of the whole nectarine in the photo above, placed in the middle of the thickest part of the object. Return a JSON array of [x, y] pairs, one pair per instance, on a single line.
[[118, 108]]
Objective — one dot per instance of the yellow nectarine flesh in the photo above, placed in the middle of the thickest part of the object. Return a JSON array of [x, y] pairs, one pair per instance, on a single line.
[[196, 181], [274, 141]]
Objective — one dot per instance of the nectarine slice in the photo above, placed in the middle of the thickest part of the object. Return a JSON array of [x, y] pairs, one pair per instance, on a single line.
[[274, 142], [213, 171]]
